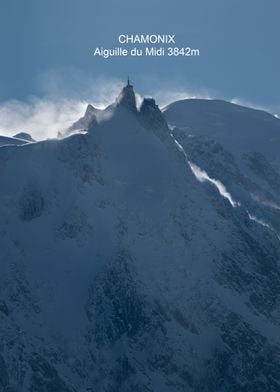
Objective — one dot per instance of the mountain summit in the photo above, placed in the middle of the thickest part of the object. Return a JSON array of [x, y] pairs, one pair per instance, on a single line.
[[127, 97], [148, 112], [140, 256]]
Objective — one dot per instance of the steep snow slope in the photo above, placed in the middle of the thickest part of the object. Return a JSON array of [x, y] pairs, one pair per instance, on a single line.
[[237, 128], [237, 146], [250, 180], [121, 272]]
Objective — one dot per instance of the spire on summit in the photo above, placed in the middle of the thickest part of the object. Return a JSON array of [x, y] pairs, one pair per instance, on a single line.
[[127, 97], [129, 85]]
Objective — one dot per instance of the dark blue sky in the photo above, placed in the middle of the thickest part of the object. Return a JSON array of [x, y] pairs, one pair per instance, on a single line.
[[238, 41]]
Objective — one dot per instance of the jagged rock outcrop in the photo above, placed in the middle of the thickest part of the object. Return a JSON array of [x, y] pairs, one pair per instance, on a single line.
[[127, 98], [124, 267], [85, 122]]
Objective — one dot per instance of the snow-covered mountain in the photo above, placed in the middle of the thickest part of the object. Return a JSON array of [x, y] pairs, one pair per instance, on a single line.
[[239, 129], [237, 145], [131, 259], [17, 140]]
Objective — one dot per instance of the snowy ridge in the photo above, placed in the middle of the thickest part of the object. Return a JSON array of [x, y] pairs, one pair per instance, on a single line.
[[125, 269]]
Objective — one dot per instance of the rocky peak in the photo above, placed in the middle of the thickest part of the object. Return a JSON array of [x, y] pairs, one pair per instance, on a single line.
[[90, 111], [127, 97], [151, 114], [87, 120]]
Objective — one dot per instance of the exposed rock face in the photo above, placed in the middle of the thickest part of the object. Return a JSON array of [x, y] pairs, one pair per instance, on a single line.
[[151, 115], [85, 122], [127, 98], [124, 267]]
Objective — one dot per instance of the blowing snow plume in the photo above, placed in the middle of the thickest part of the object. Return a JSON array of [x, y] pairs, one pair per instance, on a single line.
[[53, 113], [41, 118], [202, 176]]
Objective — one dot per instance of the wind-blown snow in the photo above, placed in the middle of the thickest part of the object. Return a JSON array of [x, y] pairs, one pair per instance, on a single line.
[[202, 176], [118, 273], [43, 118], [262, 223], [265, 202]]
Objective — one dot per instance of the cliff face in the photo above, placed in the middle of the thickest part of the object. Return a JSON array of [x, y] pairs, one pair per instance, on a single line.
[[124, 269]]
